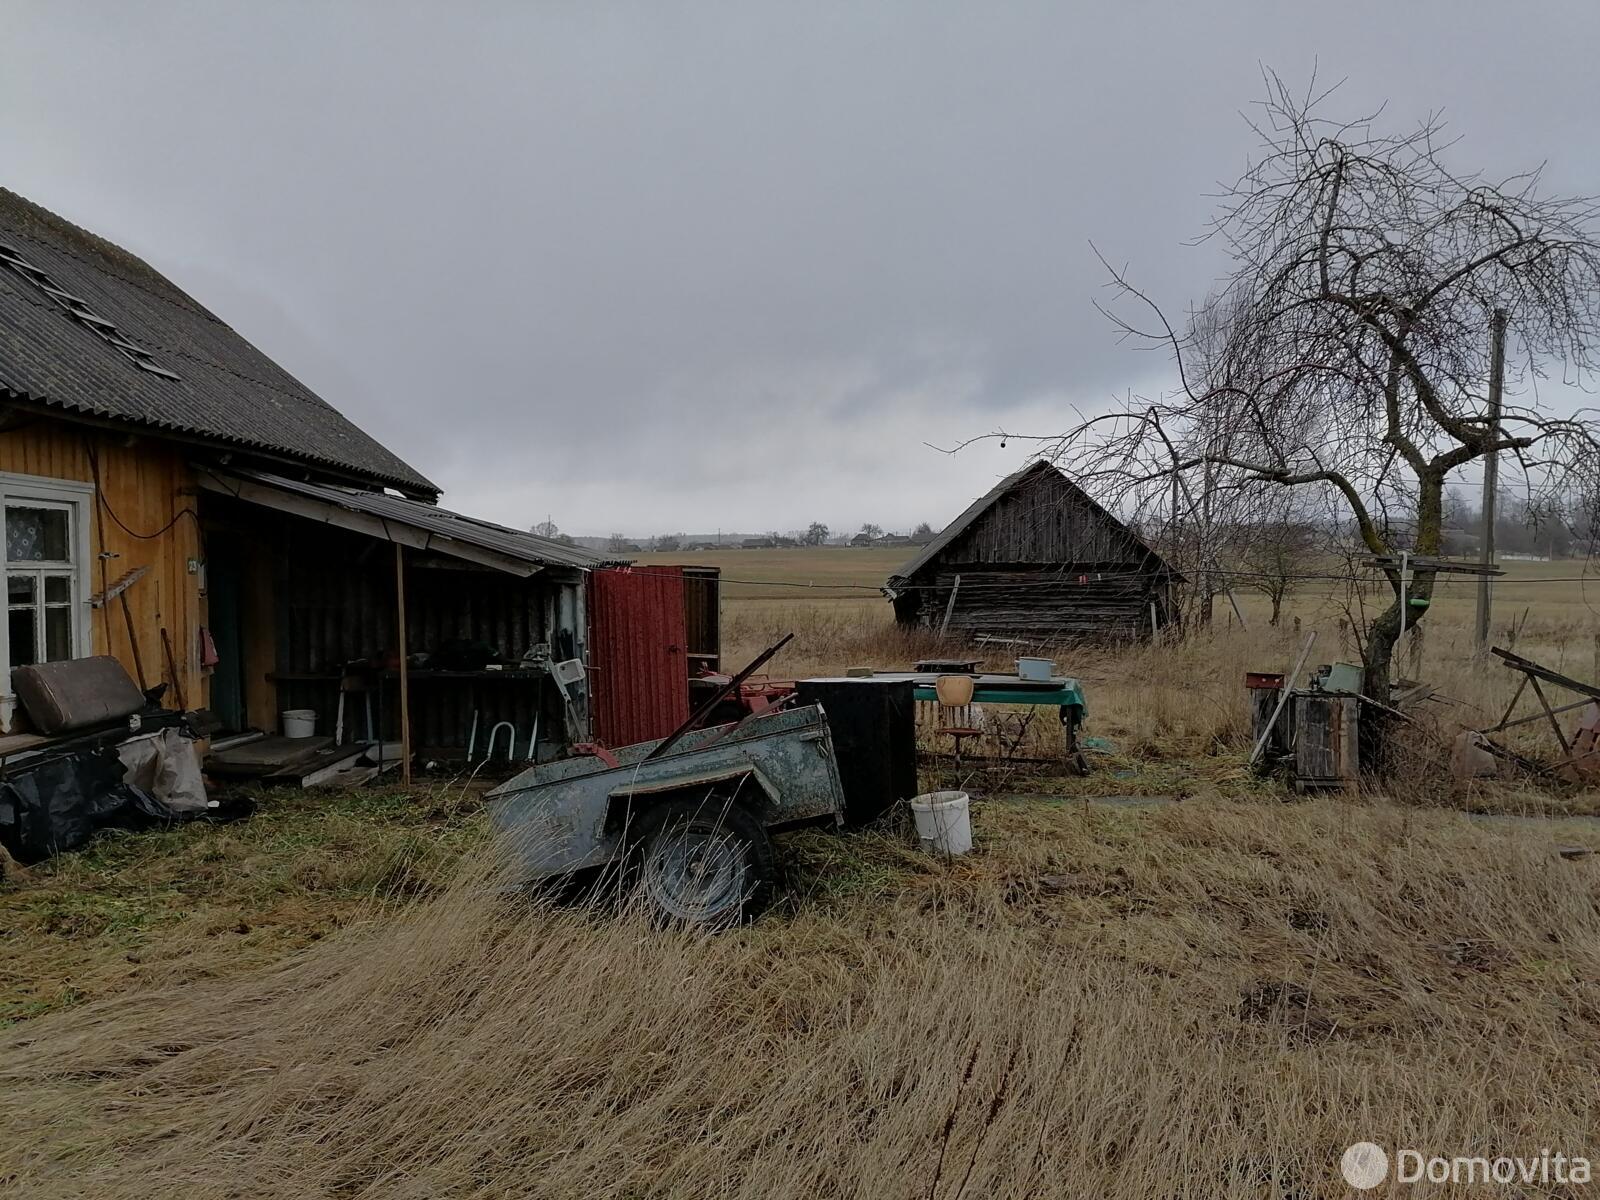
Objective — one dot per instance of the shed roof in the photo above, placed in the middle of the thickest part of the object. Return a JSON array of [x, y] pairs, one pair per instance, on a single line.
[[408, 522], [65, 355], [983, 503]]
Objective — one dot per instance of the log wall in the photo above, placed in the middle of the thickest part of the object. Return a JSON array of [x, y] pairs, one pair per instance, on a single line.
[[1043, 563]]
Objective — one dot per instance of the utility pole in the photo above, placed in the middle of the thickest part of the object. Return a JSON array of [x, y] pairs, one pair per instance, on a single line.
[[1491, 469]]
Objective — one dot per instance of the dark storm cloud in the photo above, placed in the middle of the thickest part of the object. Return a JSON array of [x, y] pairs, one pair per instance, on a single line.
[[681, 266]]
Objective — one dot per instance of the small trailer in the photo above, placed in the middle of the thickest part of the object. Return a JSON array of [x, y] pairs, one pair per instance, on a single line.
[[693, 823]]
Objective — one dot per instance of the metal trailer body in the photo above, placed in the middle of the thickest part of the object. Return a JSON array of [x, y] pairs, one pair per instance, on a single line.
[[576, 813]]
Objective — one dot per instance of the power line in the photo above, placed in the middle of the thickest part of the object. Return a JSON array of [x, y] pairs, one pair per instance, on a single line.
[[1068, 577]]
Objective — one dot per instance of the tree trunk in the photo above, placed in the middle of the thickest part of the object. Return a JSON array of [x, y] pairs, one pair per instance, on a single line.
[[1385, 635], [1277, 609], [1385, 632]]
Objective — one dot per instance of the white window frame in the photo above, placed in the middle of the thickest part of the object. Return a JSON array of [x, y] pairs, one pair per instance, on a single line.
[[31, 491]]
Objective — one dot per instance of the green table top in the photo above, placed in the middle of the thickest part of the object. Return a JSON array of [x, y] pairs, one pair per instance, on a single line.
[[1060, 690]]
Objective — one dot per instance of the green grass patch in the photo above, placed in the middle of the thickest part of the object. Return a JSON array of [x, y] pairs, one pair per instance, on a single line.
[[203, 899]]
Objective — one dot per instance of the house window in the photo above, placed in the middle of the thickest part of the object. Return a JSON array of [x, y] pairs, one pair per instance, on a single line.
[[40, 575], [46, 570]]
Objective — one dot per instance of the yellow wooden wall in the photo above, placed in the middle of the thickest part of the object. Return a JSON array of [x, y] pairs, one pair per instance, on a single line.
[[145, 483]]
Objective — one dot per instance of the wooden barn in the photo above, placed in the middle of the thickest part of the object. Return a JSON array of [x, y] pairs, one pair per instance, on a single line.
[[1039, 561], [175, 499]]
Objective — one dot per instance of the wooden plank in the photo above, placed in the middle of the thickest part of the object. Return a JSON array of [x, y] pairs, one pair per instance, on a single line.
[[331, 765], [266, 756], [1534, 670]]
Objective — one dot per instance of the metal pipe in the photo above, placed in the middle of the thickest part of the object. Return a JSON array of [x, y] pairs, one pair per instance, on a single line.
[[511, 741]]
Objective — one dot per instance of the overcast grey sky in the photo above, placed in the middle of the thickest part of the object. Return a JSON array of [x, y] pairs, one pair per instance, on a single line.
[[661, 266]]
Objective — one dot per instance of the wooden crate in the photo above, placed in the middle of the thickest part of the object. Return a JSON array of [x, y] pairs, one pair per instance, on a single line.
[[1327, 749]]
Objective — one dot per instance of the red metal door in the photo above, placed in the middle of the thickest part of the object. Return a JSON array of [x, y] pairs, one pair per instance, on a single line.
[[638, 668]]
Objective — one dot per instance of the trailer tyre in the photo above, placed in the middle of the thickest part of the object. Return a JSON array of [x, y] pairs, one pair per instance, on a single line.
[[706, 862]]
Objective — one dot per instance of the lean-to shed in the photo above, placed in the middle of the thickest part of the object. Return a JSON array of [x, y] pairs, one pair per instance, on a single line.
[[1038, 560], [173, 498]]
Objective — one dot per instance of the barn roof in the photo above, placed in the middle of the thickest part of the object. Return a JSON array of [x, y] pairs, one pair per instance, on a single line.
[[88, 328], [983, 503]]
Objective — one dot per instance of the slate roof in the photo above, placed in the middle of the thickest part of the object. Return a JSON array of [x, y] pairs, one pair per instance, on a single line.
[[227, 391], [982, 504], [439, 523]]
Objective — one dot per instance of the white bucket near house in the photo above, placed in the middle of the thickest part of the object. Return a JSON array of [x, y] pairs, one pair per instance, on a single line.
[[944, 821], [299, 722]]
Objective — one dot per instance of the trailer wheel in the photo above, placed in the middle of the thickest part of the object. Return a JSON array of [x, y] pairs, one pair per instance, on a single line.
[[704, 862]]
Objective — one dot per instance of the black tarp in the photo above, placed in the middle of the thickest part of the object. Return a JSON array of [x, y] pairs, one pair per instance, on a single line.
[[61, 802]]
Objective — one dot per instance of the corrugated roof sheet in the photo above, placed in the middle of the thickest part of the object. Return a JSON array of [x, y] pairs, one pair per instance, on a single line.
[[226, 391], [439, 523]]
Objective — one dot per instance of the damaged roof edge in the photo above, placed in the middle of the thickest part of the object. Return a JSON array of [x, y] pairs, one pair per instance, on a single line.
[[30, 405], [409, 522]]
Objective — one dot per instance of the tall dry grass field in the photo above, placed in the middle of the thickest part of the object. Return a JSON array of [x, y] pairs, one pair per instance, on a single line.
[[1206, 1000], [1211, 997], [1182, 699]]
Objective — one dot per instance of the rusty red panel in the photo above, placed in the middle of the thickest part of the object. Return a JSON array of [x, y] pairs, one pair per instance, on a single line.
[[638, 668]]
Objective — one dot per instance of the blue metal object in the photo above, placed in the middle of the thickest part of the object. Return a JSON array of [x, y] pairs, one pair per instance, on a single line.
[[575, 813]]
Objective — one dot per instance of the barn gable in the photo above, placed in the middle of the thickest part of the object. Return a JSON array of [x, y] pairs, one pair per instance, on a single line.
[[1036, 558]]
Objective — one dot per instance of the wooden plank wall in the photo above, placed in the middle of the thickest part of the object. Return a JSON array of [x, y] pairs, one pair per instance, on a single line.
[[146, 484], [1047, 604], [1044, 520], [1045, 564], [335, 603]]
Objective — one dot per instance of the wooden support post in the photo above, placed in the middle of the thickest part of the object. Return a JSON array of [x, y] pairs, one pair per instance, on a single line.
[[1512, 707], [950, 607], [133, 644], [1491, 470], [405, 682], [1555, 725]]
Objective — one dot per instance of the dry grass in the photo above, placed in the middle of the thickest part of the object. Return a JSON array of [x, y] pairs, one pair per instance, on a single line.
[[1206, 999], [1177, 709]]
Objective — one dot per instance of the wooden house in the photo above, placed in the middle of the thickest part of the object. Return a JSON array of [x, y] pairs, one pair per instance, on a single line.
[[174, 498], [1036, 559]]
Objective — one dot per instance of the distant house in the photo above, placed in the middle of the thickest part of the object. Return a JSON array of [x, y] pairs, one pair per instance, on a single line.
[[861, 539], [1036, 559], [894, 539], [758, 543]]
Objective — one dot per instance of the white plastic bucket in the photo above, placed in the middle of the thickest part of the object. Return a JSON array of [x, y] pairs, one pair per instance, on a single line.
[[944, 822], [299, 722]]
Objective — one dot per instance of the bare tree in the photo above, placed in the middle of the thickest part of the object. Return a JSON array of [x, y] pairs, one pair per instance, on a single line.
[[1348, 349], [872, 531], [816, 535], [1277, 553]]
